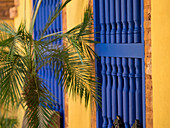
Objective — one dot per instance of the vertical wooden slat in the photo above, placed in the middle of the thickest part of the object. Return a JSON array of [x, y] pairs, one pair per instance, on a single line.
[[119, 60], [103, 62], [130, 21], [138, 75], [108, 63], [114, 89], [120, 87], [125, 65], [126, 93], [113, 60], [137, 17], [97, 63], [113, 21], [104, 103], [109, 89], [118, 21], [132, 108], [131, 64], [124, 20]]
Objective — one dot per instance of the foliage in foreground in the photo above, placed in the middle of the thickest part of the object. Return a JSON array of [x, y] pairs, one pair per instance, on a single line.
[[21, 58], [6, 122]]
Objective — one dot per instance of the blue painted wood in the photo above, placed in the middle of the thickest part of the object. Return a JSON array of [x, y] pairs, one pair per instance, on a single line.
[[126, 92], [138, 76], [118, 21], [130, 21], [97, 63], [125, 65], [113, 21], [109, 95], [137, 21], [131, 64], [104, 101], [119, 50], [107, 19], [113, 60], [120, 87], [132, 108], [123, 42], [119, 60], [102, 22], [103, 62], [108, 63], [114, 89], [124, 20]]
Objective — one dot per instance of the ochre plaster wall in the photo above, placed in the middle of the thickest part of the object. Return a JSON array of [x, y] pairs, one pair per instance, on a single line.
[[78, 115], [160, 28]]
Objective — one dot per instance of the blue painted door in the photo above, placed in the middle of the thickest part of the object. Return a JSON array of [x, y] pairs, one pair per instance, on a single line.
[[47, 73], [119, 27]]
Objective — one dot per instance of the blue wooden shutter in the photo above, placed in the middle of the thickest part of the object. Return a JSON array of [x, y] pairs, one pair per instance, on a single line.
[[120, 23], [47, 73]]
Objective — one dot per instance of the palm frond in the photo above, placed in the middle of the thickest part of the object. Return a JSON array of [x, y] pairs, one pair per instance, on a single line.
[[39, 104]]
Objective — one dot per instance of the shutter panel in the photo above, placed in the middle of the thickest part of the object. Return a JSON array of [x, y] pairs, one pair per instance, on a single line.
[[120, 23]]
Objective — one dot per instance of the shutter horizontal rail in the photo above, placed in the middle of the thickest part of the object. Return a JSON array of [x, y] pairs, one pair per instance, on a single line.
[[120, 50]]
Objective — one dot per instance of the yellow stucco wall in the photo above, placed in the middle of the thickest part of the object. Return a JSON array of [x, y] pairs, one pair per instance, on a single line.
[[78, 115], [161, 62], [21, 10]]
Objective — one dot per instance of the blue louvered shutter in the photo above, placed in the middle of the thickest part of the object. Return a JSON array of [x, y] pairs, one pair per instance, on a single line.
[[47, 73], [121, 67]]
